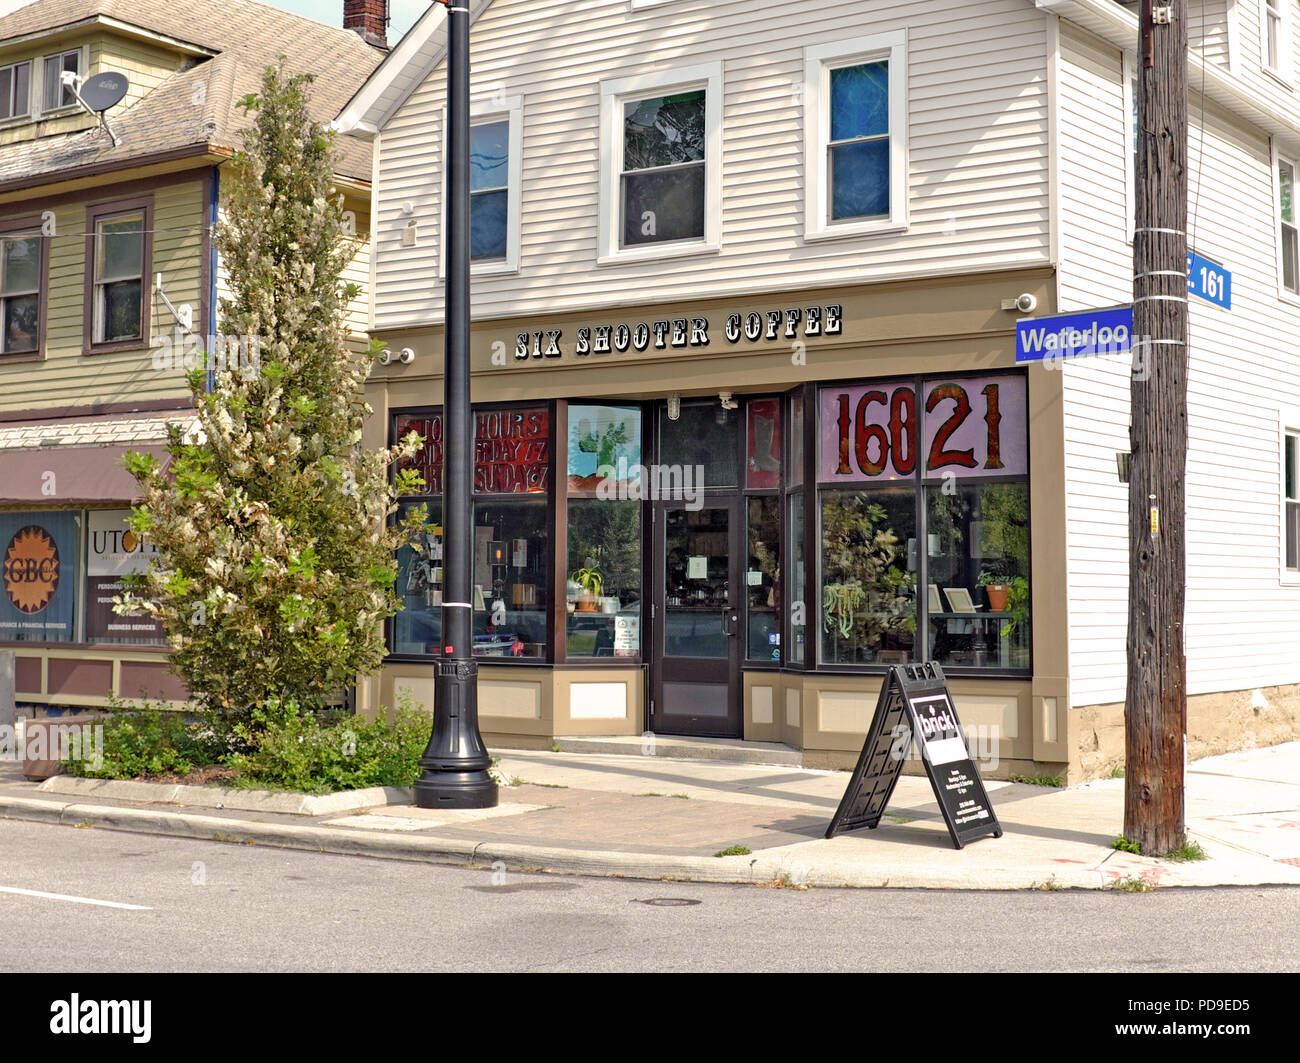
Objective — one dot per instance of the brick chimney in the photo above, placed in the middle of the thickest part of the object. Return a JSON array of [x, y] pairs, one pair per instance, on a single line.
[[369, 18]]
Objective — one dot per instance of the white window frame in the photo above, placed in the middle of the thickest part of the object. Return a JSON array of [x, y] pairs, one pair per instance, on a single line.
[[24, 116], [818, 63], [1278, 159], [1288, 426], [485, 112], [613, 94], [57, 57], [1284, 68]]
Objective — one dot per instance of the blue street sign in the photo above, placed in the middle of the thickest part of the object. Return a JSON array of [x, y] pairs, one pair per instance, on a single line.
[[1108, 331], [1209, 281]]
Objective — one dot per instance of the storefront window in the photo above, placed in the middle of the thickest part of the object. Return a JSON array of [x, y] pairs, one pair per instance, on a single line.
[[703, 437], [510, 593], [763, 580], [604, 579], [114, 551], [796, 584], [417, 629], [978, 569], [961, 443], [868, 606], [604, 450], [763, 444], [38, 576]]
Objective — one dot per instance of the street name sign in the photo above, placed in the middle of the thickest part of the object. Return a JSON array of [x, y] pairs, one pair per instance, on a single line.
[[1106, 331], [915, 701]]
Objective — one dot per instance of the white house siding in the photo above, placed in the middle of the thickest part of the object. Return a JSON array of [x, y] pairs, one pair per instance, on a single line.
[[979, 189], [1243, 624], [1208, 29]]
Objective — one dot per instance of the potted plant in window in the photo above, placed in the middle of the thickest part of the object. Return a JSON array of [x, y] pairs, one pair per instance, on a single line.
[[995, 579], [591, 582]]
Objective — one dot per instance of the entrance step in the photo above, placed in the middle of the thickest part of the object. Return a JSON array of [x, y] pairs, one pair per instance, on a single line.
[[681, 747]]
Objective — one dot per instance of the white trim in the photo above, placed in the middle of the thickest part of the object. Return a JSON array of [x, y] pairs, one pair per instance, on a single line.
[[511, 108], [818, 62], [707, 76], [1056, 241], [372, 267], [1128, 76], [1288, 422], [1278, 158]]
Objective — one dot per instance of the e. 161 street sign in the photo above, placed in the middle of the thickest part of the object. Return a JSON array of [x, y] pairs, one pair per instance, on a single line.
[[1209, 281]]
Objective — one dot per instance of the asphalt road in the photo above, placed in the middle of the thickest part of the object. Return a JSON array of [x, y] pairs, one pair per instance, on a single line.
[[212, 906]]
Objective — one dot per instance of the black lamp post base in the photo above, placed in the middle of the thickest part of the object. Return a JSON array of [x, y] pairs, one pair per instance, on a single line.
[[456, 789]]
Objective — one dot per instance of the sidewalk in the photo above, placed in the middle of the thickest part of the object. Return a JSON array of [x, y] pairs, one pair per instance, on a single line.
[[661, 818]]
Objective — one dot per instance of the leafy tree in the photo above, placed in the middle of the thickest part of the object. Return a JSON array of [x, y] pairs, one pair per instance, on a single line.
[[276, 562]]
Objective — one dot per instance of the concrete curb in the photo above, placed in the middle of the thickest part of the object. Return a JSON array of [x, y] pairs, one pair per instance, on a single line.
[[292, 804], [783, 867]]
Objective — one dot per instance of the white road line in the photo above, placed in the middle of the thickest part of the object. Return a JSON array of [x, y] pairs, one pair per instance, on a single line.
[[74, 900]]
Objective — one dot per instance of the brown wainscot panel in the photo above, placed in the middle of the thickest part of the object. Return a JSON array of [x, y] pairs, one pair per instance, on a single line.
[[92, 679], [142, 679], [27, 675]]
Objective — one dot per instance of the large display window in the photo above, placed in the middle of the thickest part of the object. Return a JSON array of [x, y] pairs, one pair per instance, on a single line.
[[924, 522], [603, 585], [39, 555], [512, 571]]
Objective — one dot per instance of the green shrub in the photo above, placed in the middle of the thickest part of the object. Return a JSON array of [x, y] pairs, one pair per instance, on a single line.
[[150, 742], [292, 749]]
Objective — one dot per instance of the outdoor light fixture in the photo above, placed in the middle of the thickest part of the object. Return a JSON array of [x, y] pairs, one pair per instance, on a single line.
[[1123, 459], [728, 403], [674, 407]]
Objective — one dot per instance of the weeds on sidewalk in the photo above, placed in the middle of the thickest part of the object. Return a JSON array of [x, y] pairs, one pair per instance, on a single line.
[[1039, 780], [735, 850], [1126, 845], [1186, 852], [1132, 884], [1050, 884]]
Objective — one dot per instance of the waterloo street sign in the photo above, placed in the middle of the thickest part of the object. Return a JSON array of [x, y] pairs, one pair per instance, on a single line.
[[1106, 331]]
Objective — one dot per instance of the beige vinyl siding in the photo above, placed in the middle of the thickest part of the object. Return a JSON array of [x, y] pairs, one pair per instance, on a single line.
[[977, 88], [1243, 621], [67, 377], [145, 65]]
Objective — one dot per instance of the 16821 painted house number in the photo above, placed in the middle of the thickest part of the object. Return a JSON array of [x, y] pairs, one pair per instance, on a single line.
[[752, 327]]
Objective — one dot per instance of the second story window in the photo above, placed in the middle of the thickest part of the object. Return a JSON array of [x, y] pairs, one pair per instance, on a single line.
[[661, 164], [1287, 237], [117, 276], [495, 184], [57, 94], [15, 90], [662, 194], [856, 136], [20, 293], [489, 202], [1276, 32]]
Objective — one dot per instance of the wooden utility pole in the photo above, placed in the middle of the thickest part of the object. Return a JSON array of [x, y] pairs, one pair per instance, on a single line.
[[1156, 699]]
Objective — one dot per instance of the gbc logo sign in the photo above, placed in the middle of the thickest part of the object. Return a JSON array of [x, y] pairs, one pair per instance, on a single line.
[[31, 569]]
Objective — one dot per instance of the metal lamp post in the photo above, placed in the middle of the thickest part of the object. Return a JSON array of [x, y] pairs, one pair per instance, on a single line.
[[455, 764]]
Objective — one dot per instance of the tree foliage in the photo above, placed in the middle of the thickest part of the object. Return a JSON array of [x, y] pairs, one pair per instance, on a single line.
[[276, 565]]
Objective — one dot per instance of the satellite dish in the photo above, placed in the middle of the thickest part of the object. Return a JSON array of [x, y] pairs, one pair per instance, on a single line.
[[104, 91]]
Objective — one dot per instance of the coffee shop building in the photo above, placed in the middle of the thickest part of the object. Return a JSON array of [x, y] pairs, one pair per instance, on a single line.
[[750, 426]]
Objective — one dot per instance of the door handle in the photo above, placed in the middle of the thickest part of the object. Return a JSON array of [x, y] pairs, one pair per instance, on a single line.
[[729, 619]]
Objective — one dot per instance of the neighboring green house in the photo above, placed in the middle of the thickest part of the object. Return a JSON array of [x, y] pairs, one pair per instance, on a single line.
[[109, 281]]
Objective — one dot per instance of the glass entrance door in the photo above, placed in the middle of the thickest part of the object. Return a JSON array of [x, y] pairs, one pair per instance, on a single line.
[[695, 681]]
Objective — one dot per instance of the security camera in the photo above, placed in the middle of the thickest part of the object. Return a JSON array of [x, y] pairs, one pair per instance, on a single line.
[[407, 356], [1026, 303], [385, 356], [728, 403]]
